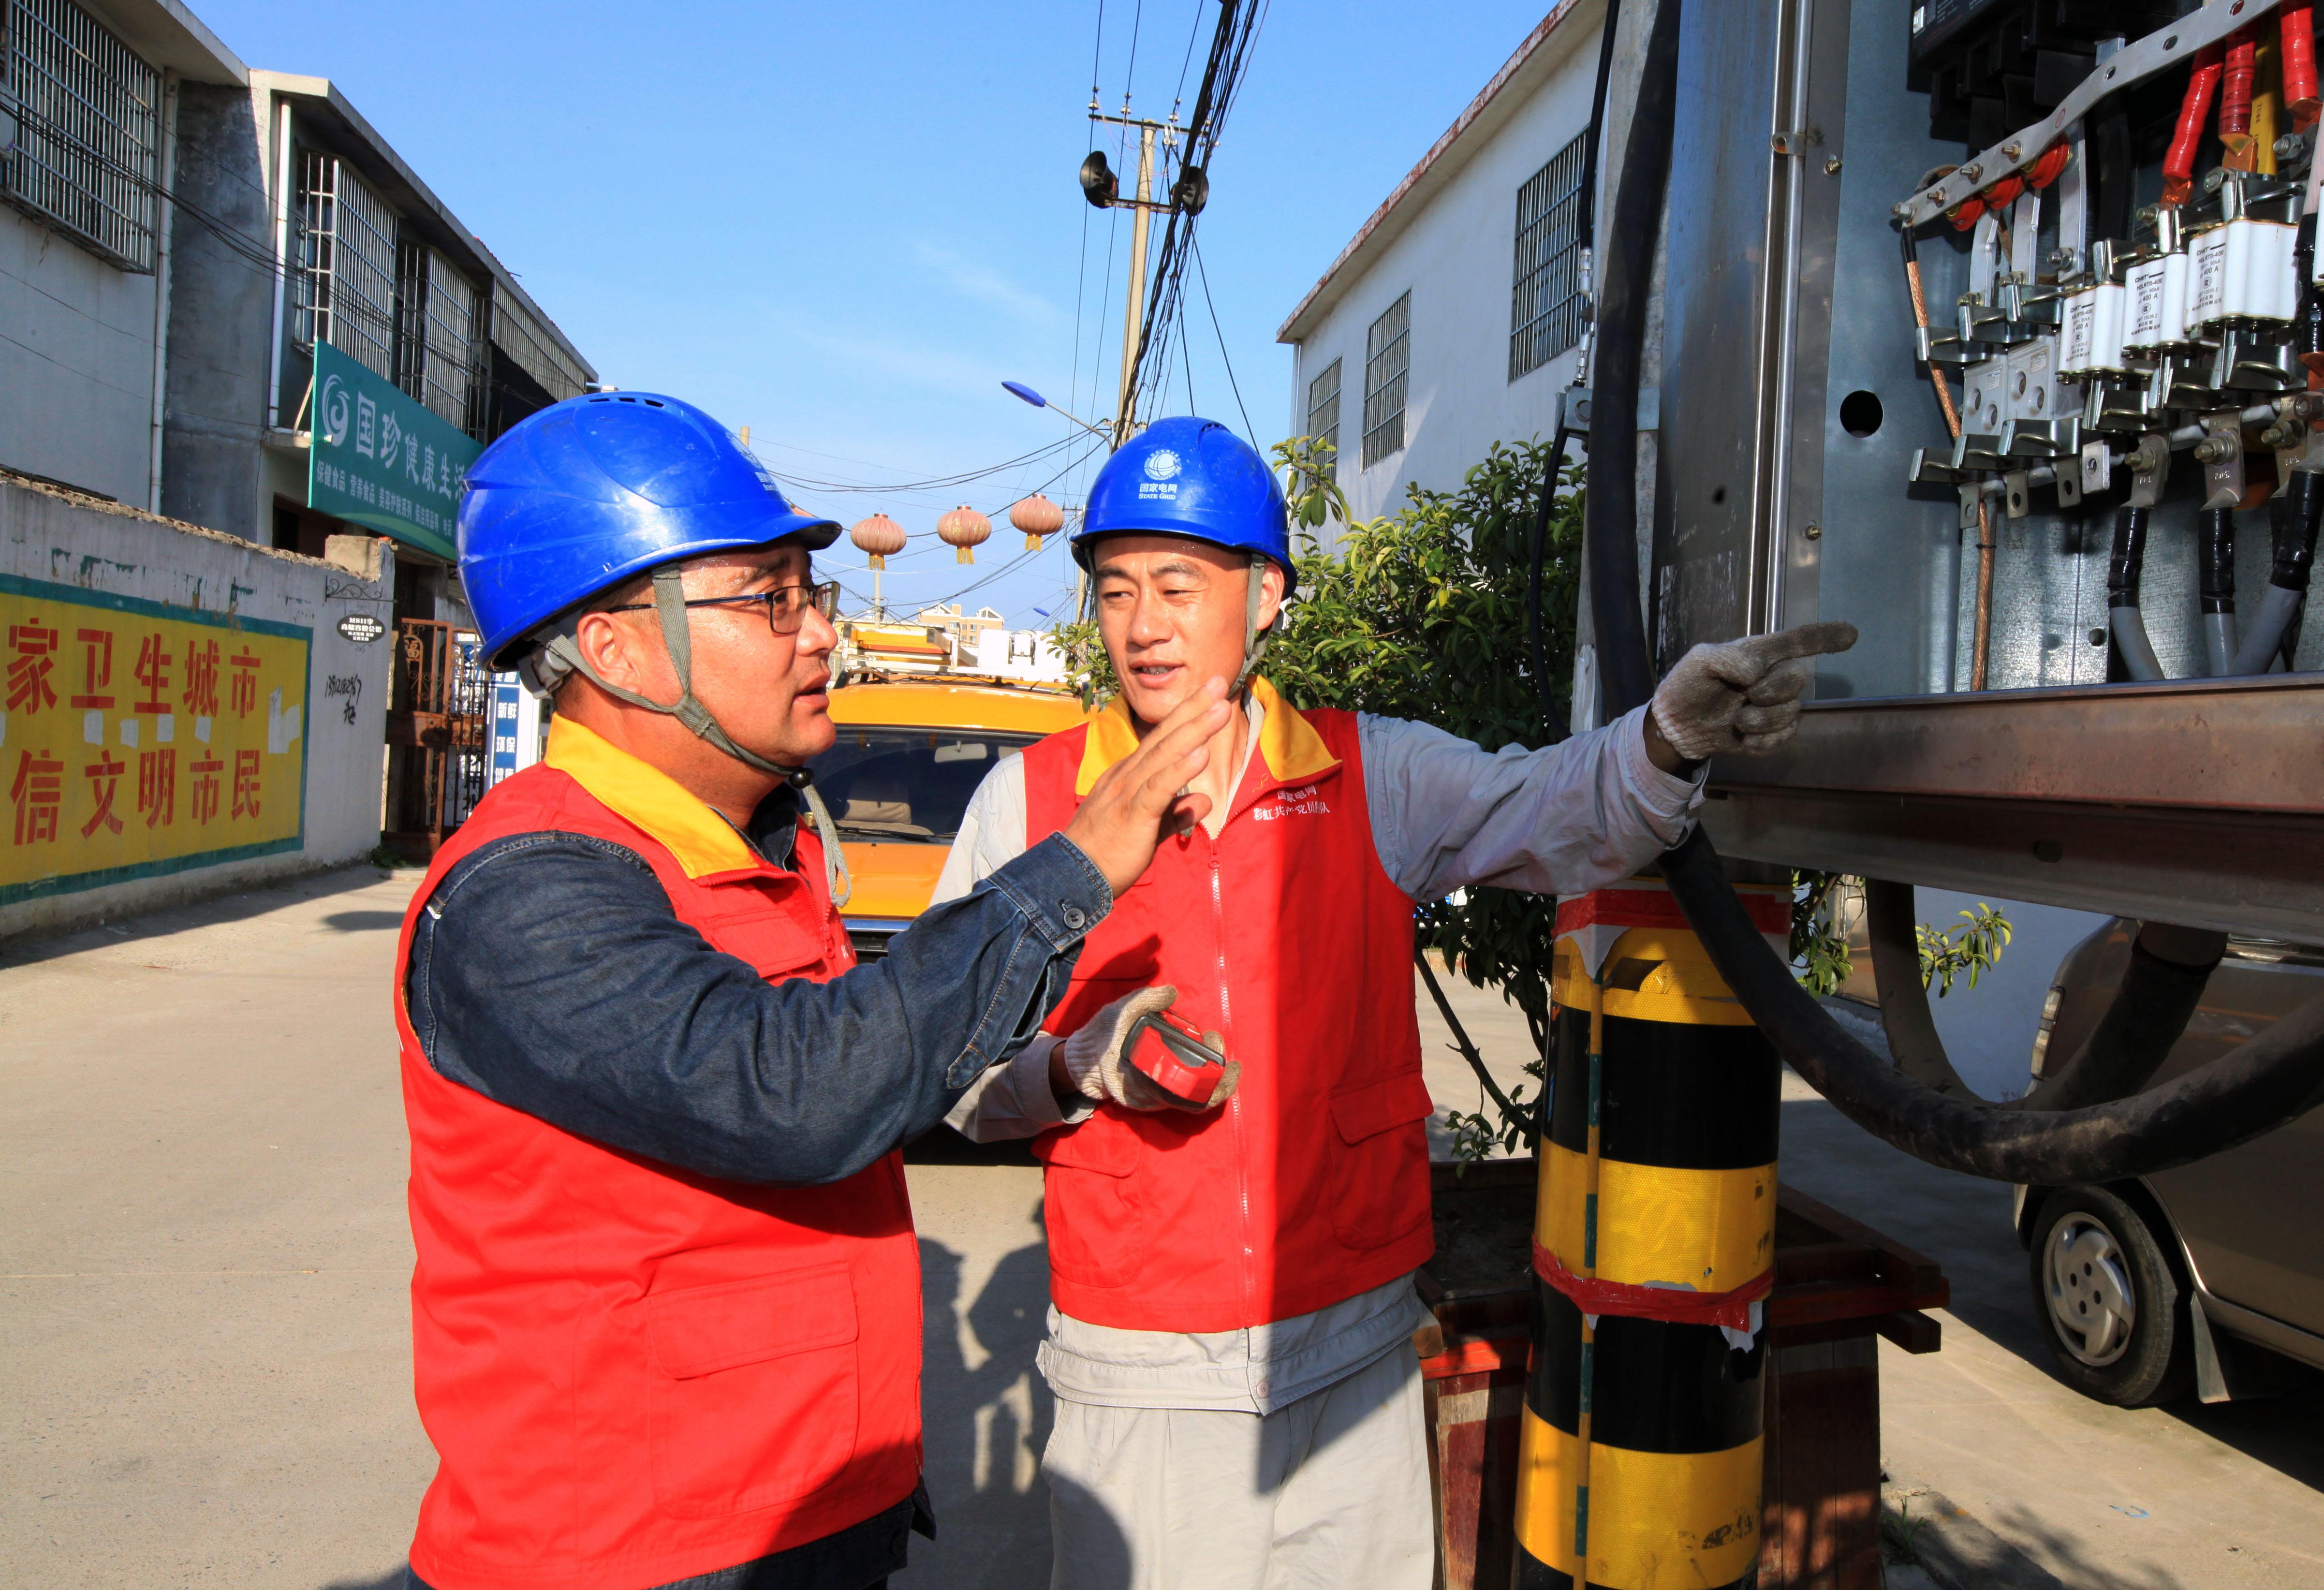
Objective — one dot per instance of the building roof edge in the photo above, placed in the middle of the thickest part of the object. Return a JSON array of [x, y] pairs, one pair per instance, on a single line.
[[1445, 157], [468, 241]]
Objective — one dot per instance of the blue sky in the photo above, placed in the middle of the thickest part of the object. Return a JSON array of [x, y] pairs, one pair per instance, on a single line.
[[844, 226]]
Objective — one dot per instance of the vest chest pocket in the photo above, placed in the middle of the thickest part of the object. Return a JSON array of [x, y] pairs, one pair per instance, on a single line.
[[1381, 1185], [752, 1393]]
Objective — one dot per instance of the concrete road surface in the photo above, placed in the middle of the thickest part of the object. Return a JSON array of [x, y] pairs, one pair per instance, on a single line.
[[2184, 1498], [204, 1346], [204, 1374]]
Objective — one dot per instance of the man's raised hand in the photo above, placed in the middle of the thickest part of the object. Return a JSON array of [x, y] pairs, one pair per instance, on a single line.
[[1742, 694], [1138, 801]]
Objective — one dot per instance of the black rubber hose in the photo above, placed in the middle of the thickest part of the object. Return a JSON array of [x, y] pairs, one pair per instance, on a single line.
[[1892, 928], [2253, 1088], [2258, 1086], [1597, 132], [2308, 317], [2293, 518], [2144, 1022], [2295, 532], [1553, 724], [2214, 581], [1626, 671], [2148, 1014], [2123, 618]]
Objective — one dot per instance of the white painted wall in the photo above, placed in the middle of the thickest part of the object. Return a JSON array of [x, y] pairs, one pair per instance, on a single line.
[[1457, 255], [75, 363], [66, 540]]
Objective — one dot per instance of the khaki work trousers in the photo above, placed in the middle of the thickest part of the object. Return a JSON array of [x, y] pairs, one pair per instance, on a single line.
[[1330, 1492]]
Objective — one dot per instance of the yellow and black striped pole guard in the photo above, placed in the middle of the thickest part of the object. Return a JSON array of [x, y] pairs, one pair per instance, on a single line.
[[1654, 1243]]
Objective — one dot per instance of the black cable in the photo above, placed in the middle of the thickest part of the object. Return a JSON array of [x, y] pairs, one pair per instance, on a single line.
[[937, 483], [1554, 726], [1597, 130], [1080, 283], [2125, 622], [1221, 73], [1624, 671], [1178, 94], [1204, 274], [2255, 1087]]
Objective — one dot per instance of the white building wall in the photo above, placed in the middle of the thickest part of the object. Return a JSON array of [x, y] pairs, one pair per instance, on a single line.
[[61, 540], [1456, 254], [75, 363]]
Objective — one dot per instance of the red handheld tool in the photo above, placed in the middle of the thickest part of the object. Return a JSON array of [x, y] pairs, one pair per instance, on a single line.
[[1184, 1063]]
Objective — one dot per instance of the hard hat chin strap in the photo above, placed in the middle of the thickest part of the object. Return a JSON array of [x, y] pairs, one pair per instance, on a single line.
[[677, 640], [1254, 640]]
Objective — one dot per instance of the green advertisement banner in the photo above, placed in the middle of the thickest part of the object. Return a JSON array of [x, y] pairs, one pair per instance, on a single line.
[[377, 458]]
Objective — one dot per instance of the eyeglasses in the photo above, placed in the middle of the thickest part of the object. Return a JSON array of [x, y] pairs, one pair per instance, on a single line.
[[787, 605]]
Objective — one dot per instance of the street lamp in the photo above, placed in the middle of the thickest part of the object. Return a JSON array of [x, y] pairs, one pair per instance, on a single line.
[[1019, 389]]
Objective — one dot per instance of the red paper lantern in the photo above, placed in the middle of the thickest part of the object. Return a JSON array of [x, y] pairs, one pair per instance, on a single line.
[[965, 528], [1037, 516], [880, 536]]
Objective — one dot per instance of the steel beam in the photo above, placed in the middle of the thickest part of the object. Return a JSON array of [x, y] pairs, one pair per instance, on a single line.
[[2198, 802]]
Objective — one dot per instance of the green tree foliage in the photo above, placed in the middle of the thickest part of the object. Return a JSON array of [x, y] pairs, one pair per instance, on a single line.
[[1963, 951], [1820, 958]]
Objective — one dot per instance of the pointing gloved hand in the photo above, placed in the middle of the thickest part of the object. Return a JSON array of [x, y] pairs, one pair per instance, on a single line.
[[1095, 1064], [1742, 694]]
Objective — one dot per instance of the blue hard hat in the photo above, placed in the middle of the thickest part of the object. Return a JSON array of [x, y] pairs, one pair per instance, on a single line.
[[1193, 478], [593, 491]]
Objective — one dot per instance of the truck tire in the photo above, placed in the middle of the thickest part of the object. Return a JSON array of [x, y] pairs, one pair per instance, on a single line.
[[2109, 1299]]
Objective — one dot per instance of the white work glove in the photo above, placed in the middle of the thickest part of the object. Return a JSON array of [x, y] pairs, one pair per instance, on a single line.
[[1742, 694], [1094, 1062]]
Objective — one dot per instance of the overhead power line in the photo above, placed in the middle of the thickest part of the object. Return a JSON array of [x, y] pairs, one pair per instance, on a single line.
[[963, 478], [1223, 76]]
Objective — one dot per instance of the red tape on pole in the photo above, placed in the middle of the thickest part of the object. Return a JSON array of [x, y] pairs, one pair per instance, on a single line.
[[1657, 907], [1671, 1304]]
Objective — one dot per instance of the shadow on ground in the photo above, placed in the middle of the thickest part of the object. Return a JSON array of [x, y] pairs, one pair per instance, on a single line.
[[363, 921], [394, 1579], [987, 1424], [2279, 1431]]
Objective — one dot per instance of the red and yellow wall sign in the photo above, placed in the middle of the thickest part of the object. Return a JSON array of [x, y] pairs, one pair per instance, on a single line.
[[137, 738]]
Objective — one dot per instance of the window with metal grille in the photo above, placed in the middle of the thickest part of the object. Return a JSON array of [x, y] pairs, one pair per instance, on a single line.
[[1388, 356], [520, 334], [90, 127], [436, 352], [1324, 408], [1546, 306], [346, 263]]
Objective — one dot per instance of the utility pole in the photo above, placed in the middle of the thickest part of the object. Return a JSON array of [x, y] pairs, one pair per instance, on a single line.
[[1134, 301], [1101, 188]]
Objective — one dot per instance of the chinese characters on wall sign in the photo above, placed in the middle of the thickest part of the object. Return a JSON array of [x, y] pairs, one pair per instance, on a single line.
[[136, 738], [377, 458]]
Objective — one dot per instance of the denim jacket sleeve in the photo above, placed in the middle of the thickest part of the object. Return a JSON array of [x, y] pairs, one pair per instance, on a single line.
[[549, 973]]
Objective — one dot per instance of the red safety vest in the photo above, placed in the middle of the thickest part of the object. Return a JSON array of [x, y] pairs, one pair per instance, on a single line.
[[633, 1373], [1285, 936]]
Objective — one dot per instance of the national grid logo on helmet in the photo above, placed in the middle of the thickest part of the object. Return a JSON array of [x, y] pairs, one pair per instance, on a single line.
[[1161, 475]]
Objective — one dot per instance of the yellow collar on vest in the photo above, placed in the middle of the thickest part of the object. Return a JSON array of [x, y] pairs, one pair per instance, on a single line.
[[1288, 742], [702, 841]]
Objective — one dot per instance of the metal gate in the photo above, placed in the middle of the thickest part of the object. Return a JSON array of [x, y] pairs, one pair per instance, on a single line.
[[437, 758]]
